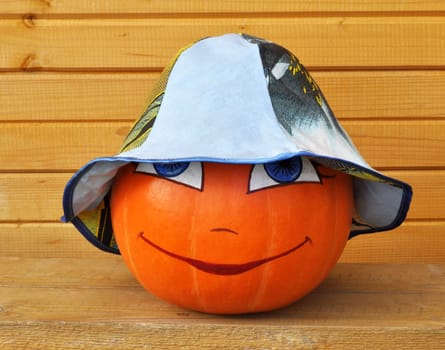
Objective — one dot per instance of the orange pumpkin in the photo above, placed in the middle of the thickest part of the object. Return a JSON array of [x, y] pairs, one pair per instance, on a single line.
[[224, 249]]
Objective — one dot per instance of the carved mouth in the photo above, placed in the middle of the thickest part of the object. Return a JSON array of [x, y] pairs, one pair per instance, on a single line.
[[224, 269]]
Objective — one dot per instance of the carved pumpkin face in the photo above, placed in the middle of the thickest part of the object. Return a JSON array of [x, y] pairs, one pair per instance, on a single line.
[[231, 238]]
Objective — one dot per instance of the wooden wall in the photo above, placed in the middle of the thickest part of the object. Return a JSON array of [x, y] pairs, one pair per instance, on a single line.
[[75, 74]]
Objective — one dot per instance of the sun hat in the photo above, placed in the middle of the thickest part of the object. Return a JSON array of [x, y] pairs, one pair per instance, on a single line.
[[235, 98]]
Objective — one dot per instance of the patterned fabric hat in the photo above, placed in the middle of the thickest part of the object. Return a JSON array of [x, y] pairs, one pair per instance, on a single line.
[[235, 99]]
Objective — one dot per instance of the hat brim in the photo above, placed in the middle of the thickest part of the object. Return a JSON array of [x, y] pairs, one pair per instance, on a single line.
[[90, 212]]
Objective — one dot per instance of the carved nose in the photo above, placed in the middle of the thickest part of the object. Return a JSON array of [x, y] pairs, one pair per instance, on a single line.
[[224, 229]]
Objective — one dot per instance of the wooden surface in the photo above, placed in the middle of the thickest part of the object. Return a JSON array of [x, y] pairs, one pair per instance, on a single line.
[[141, 44], [75, 75], [356, 95], [175, 7], [63, 303]]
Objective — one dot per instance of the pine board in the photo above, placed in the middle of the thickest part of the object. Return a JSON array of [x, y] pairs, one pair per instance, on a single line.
[[406, 144], [414, 241], [74, 75], [228, 7], [141, 44], [96, 304], [117, 96], [38, 196]]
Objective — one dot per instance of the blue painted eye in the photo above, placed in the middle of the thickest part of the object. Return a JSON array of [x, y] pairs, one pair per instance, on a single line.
[[291, 171], [284, 171], [188, 174], [170, 169]]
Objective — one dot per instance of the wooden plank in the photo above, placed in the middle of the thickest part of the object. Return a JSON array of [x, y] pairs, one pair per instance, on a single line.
[[44, 303], [121, 44], [400, 144], [118, 96], [74, 96], [384, 94], [60, 335], [111, 272], [45, 240], [38, 196], [414, 241], [67, 146], [132, 7], [32, 197]]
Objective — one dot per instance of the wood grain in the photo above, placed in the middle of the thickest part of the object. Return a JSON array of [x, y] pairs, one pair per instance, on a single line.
[[38, 196], [69, 145], [141, 44], [162, 335], [45, 240], [58, 146], [414, 241], [96, 304], [227, 7], [117, 96], [74, 75]]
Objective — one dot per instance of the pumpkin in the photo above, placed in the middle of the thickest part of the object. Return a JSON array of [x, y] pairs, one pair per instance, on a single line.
[[222, 242]]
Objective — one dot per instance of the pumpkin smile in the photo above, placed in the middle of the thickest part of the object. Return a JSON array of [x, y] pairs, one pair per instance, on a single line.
[[224, 269]]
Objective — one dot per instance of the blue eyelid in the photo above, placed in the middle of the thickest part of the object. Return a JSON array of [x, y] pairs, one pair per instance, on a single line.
[[284, 171], [171, 169]]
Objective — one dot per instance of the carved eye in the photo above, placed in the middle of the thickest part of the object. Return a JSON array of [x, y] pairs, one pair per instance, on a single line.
[[288, 171], [189, 174]]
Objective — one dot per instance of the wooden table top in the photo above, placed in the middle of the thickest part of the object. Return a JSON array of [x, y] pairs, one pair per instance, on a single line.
[[65, 303]]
